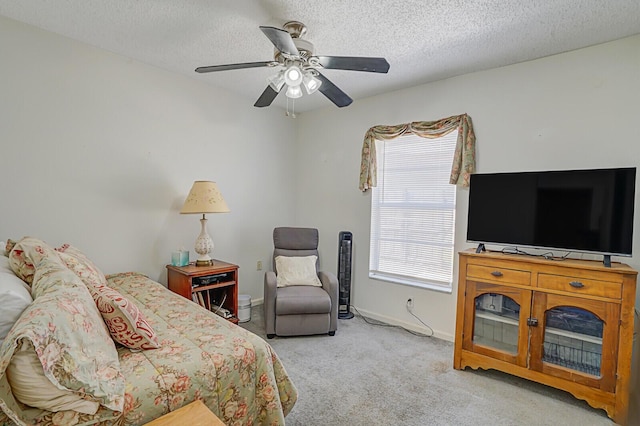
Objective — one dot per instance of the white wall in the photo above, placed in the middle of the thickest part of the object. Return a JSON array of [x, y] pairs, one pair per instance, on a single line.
[[575, 110], [100, 151]]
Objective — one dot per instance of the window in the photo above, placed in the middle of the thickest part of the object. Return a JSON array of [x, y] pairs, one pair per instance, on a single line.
[[413, 212]]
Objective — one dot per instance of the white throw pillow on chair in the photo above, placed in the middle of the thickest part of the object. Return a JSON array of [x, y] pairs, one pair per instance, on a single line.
[[297, 270]]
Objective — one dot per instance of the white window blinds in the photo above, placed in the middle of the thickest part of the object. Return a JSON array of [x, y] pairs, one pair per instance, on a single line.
[[413, 211]]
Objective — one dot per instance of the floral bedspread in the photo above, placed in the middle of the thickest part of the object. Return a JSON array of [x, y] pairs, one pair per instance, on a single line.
[[201, 356]]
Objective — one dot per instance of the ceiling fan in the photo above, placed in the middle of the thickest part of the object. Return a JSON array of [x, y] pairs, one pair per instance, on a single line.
[[300, 67]]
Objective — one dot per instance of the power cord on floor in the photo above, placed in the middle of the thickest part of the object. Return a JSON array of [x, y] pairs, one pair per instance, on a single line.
[[384, 324], [410, 309]]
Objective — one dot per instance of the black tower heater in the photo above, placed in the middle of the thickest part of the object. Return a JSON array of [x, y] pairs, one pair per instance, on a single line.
[[345, 240]]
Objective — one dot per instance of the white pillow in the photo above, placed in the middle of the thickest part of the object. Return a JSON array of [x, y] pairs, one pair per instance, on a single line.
[[296, 270], [15, 296], [5, 268]]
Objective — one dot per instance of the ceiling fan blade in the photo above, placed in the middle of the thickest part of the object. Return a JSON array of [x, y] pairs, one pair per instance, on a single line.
[[266, 98], [354, 63], [281, 39], [333, 93], [226, 67]]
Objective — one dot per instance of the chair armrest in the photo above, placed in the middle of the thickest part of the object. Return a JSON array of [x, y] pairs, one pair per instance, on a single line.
[[330, 285], [270, 289]]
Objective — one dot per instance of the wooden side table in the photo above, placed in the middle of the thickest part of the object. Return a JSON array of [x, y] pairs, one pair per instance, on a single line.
[[194, 414], [210, 286]]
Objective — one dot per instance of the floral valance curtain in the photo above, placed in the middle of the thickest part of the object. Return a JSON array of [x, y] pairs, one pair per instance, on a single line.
[[464, 158]]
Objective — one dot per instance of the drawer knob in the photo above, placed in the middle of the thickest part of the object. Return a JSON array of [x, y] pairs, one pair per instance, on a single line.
[[496, 273], [576, 284]]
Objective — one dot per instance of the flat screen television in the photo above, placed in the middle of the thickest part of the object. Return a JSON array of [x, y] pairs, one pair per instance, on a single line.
[[589, 211]]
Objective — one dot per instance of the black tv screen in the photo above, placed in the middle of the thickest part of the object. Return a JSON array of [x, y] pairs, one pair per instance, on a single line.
[[571, 210]]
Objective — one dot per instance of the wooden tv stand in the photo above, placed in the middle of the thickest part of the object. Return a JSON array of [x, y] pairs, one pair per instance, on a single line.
[[563, 323]]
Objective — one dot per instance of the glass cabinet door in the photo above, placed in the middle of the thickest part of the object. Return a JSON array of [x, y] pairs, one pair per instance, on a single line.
[[569, 336], [573, 339], [495, 321]]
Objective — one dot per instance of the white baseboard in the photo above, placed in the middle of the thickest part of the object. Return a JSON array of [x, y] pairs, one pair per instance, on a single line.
[[418, 328], [256, 302]]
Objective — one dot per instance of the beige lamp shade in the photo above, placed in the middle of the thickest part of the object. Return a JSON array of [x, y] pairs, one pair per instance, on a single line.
[[204, 197]]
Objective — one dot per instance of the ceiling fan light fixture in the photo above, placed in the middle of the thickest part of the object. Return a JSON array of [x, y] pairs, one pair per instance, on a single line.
[[293, 76], [298, 66], [276, 81], [311, 83], [294, 92]]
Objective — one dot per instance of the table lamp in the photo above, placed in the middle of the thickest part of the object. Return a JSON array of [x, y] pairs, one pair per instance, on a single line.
[[204, 197]]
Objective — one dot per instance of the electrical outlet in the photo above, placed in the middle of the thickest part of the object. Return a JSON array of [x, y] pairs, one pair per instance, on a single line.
[[409, 304], [259, 265]]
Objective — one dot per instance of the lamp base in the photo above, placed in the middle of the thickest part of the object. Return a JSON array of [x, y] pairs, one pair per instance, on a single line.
[[204, 245]]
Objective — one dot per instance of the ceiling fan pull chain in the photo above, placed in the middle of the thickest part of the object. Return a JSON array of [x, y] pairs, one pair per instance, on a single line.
[[291, 114]]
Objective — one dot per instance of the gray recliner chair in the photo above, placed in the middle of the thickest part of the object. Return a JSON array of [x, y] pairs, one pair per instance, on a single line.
[[298, 310]]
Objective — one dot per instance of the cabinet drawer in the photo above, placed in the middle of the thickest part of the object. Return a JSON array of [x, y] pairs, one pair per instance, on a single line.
[[580, 285], [491, 273]]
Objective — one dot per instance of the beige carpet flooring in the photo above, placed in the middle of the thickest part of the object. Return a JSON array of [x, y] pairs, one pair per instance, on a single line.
[[371, 375]]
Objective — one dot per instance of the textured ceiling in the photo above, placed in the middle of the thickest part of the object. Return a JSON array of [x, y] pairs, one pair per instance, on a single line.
[[423, 40]]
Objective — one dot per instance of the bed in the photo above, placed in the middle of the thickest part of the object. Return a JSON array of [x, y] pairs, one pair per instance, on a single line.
[[190, 353]]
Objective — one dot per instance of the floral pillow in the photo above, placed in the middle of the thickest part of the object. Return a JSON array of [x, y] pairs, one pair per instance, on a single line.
[[80, 264], [68, 336], [25, 256], [8, 246], [126, 323]]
